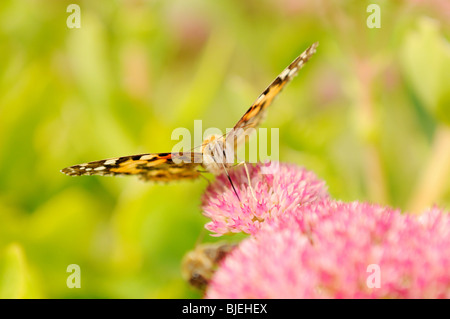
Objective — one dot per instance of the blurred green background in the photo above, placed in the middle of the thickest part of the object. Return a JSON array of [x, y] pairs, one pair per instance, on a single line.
[[369, 114]]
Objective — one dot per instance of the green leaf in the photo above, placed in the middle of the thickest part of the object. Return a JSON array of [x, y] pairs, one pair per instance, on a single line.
[[16, 280], [425, 59]]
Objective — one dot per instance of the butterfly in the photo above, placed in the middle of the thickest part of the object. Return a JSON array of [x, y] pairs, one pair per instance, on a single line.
[[214, 151]]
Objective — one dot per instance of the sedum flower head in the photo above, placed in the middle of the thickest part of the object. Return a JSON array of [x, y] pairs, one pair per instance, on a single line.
[[341, 250], [277, 187]]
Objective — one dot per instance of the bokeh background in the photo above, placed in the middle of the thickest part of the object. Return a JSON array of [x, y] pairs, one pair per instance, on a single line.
[[369, 114]]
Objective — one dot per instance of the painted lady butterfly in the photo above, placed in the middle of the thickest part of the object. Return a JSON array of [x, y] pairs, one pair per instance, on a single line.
[[184, 165]]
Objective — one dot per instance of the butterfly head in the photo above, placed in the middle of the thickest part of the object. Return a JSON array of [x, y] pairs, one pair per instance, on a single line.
[[216, 155], [213, 138]]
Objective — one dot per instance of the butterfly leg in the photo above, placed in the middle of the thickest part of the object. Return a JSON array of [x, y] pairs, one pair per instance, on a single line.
[[229, 178], [248, 179], [203, 176]]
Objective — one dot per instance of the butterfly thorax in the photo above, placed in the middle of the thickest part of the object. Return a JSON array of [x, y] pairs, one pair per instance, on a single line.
[[217, 155]]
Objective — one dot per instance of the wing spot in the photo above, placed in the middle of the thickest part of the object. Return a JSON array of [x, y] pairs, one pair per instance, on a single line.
[[284, 74], [100, 168], [293, 71], [261, 97], [146, 157], [110, 162]]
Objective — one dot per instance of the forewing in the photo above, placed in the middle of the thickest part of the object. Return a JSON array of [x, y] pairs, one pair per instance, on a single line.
[[256, 113], [151, 167]]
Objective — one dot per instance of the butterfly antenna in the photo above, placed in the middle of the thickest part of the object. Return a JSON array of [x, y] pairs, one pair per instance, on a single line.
[[203, 176], [229, 178], [231, 182]]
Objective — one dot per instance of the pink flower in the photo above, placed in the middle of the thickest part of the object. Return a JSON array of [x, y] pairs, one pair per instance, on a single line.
[[277, 188], [340, 250]]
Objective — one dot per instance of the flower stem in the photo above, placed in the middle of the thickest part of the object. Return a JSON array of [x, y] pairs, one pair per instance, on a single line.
[[434, 180]]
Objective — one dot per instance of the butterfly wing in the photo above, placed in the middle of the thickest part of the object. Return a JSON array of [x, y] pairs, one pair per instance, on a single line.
[[174, 166], [151, 167], [256, 113]]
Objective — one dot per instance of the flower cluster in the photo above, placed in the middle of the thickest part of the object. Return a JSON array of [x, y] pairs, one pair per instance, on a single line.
[[341, 250], [274, 189], [305, 245]]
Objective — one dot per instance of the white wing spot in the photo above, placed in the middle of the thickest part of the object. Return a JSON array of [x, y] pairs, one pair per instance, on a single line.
[[100, 168], [260, 98], [110, 162], [292, 72], [284, 74]]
